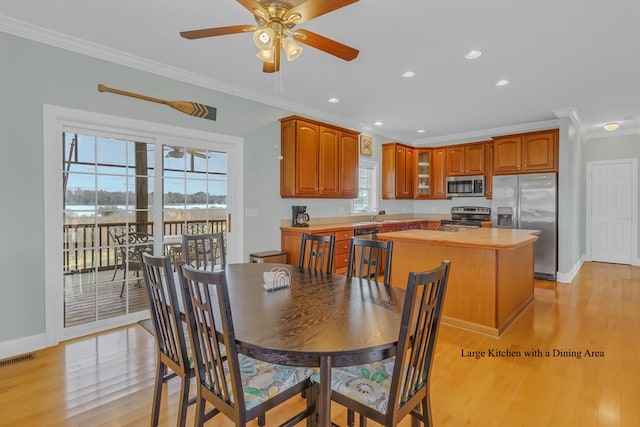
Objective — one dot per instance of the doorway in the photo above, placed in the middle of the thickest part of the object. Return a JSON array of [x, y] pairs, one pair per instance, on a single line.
[[124, 186], [612, 211]]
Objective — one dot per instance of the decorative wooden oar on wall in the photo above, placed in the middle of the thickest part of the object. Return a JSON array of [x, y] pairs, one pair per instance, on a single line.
[[190, 108]]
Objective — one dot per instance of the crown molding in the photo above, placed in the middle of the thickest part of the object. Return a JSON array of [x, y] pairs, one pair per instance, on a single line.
[[487, 133], [573, 115], [84, 47]]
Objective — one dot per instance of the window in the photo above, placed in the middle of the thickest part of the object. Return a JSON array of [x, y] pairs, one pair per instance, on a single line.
[[367, 200]]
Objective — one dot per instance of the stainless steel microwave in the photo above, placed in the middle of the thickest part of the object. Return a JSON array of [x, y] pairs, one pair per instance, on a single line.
[[465, 186]]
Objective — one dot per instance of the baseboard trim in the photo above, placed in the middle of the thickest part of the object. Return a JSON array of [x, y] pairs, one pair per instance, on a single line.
[[568, 277], [22, 345]]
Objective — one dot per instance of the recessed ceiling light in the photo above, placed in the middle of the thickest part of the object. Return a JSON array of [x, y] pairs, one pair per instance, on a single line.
[[502, 83], [421, 131], [378, 124], [611, 126], [408, 74], [333, 100], [473, 54]]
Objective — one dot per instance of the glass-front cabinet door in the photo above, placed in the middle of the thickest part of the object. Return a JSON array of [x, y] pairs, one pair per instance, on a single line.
[[423, 173]]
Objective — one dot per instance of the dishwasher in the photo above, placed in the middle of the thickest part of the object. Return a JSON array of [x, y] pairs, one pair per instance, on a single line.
[[366, 233]]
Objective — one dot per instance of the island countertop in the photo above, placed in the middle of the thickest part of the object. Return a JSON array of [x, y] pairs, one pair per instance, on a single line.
[[498, 238], [491, 276]]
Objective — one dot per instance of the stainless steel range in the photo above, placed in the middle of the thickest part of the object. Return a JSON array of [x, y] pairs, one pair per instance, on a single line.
[[465, 217]]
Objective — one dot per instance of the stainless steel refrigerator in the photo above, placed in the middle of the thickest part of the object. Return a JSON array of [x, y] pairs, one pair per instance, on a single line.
[[529, 201]]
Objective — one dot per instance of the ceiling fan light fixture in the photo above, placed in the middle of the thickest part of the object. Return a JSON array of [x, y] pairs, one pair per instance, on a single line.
[[264, 38], [267, 55], [291, 48]]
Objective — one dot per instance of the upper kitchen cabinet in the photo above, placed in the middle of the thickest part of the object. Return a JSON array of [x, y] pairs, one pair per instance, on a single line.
[[423, 170], [318, 160], [526, 153], [439, 173], [488, 183], [430, 173], [397, 171], [348, 166], [466, 159]]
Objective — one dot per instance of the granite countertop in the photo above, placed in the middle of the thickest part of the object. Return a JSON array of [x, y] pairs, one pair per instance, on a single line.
[[498, 238], [338, 223]]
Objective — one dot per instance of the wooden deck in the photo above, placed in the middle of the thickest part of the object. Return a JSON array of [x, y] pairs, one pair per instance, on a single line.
[[87, 299]]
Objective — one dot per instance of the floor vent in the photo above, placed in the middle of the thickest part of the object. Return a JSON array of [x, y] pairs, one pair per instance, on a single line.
[[17, 359]]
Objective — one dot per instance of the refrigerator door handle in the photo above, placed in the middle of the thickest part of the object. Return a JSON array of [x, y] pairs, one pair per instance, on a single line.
[[516, 214]]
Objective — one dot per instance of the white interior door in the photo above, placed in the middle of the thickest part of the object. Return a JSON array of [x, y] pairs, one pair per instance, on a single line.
[[611, 197]]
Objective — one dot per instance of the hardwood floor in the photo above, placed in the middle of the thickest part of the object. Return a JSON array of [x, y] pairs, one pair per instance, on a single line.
[[537, 374]]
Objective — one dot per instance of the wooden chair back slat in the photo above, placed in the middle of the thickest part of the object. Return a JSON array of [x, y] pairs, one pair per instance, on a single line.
[[366, 258], [316, 252]]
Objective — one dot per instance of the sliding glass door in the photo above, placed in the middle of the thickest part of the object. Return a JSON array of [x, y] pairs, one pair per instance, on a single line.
[[114, 187]]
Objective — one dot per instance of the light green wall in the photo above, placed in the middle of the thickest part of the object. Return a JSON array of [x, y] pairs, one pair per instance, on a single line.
[[571, 187], [34, 74]]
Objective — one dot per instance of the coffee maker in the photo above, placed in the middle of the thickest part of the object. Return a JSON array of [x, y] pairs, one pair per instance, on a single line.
[[299, 216]]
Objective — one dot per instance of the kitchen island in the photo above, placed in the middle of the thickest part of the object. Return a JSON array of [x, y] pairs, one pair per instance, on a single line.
[[491, 277]]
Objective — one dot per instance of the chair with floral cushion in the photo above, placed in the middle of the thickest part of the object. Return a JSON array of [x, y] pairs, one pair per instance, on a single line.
[[172, 349], [238, 386], [389, 390]]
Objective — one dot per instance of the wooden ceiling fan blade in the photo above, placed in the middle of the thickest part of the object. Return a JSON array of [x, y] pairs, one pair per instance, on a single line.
[[254, 7], [218, 31], [325, 44], [313, 8], [198, 153]]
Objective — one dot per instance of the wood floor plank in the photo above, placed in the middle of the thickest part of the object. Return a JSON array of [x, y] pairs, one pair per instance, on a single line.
[[107, 379]]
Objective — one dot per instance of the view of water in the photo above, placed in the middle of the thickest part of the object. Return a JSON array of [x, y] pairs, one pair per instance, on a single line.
[[85, 210]]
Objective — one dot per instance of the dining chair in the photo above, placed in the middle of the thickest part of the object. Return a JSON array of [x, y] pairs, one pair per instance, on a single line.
[[240, 387], [191, 228], [128, 245], [197, 228], [172, 349], [389, 390], [369, 258], [204, 251], [316, 252]]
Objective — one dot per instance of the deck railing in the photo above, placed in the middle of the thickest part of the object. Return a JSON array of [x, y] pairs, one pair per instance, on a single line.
[[87, 246]]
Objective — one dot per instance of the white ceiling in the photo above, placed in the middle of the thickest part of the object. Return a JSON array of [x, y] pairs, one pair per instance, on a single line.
[[562, 56]]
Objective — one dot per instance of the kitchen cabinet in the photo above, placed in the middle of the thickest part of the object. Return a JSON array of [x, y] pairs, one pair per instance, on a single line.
[[430, 225], [439, 173], [348, 167], [341, 252], [397, 171], [423, 173], [466, 159], [318, 160], [488, 183], [526, 153]]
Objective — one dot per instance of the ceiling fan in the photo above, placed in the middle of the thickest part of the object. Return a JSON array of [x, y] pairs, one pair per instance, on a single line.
[[178, 153], [274, 32]]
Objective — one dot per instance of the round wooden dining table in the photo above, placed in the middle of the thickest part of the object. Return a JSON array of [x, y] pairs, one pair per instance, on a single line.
[[320, 320]]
